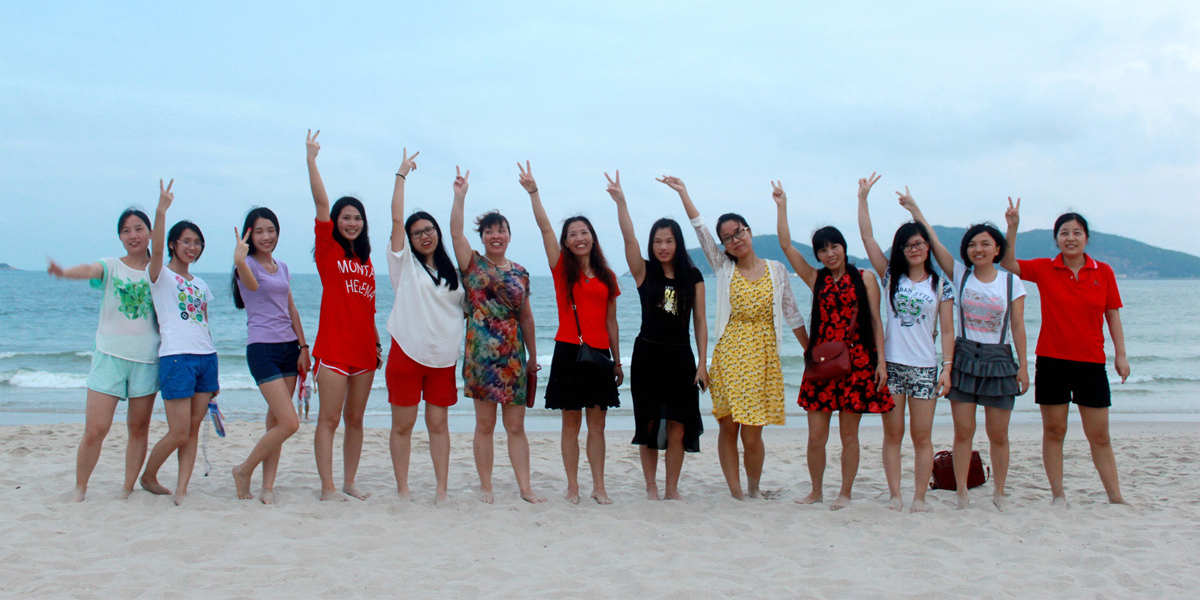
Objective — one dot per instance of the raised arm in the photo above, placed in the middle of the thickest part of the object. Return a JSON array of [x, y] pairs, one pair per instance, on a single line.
[[676, 184], [879, 262], [462, 245], [93, 270], [320, 198], [944, 259], [1117, 332], [539, 214], [157, 241], [633, 254], [715, 256], [399, 236], [801, 266], [240, 251], [700, 325], [1012, 216]]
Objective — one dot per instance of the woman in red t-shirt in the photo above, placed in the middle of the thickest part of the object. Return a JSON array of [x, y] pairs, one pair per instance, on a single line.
[[345, 358], [1078, 294], [586, 292]]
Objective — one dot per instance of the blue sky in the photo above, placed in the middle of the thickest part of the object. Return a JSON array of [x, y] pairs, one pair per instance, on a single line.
[[1076, 105]]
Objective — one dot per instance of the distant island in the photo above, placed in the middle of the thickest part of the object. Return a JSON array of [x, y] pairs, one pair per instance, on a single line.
[[7, 267], [1128, 257]]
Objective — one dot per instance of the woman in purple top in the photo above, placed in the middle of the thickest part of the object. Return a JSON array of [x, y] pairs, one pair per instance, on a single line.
[[275, 348]]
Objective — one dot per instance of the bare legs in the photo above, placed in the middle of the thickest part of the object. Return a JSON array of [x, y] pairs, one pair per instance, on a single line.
[[1095, 427], [400, 445], [282, 422], [727, 451], [184, 417], [674, 460], [439, 447], [518, 448], [572, 420], [338, 391], [997, 432], [98, 421], [818, 435], [893, 437], [964, 433], [921, 429]]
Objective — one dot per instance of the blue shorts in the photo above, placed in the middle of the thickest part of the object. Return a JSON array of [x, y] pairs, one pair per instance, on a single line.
[[271, 361], [182, 376]]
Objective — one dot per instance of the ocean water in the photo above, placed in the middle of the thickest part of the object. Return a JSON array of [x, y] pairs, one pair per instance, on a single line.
[[47, 331]]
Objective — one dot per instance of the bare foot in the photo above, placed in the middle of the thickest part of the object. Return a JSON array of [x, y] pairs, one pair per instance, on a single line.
[[601, 498], [333, 495], [963, 501], [151, 484], [530, 497], [404, 494], [841, 502], [441, 499], [241, 480], [673, 495], [78, 494], [179, 498], [487, 497], [1000, 501], [1060, 502], [352, 491], [125, 493], [896, 504], [267, 496], [572, 494], [752, 490], [652, 492], [919, 506], [811, 498]]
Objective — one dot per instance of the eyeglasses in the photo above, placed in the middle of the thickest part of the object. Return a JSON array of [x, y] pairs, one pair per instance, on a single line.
[[915, 247], [737, 235], [428, 231]]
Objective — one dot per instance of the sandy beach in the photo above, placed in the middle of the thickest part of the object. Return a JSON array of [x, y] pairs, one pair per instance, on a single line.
[[707, 546]]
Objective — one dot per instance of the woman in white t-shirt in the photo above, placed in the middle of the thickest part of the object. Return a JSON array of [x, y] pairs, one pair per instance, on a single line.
[[917, 300], [187, 358], [988, 301], [427, 326], [125, 358]]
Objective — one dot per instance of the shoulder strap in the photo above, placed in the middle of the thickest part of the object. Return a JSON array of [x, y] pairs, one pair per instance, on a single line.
[[962, 286], [574, 311], [936, 304], [1007, 310]]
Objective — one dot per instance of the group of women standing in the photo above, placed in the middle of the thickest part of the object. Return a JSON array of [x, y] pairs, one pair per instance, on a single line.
[[154, 337]]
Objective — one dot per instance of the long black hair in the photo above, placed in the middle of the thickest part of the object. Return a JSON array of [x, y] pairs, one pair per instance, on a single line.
[[595, 256], [446, 271], [822, 238], [360, 248], [680, 262], [176, 232], [976, 229], [252, 217], [898, 262], [721, 220]]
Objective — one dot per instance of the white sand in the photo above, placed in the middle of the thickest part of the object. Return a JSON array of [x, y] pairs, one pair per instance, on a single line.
[[710, 546]]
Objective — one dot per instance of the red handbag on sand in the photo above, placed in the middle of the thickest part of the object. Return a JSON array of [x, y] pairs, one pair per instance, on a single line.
[[943, 471]]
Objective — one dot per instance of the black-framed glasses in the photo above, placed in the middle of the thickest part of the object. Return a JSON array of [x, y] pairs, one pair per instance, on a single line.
[[737, 235]]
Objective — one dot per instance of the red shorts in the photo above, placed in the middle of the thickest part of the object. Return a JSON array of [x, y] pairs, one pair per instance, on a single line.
[[408, 380], [338, 367]]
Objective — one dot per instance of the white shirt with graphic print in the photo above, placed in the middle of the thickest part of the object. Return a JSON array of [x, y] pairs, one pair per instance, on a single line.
[[983, 304], [127, 326], [908, 335], [182, 308]]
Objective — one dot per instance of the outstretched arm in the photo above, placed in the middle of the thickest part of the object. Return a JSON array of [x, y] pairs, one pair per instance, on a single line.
[[462, 245], [1012, 216], [801, 266], [406, 166], [157, 243], [633, 254], [944, 259], [879, 262], [85, 271], [320, 198], [539, 214]]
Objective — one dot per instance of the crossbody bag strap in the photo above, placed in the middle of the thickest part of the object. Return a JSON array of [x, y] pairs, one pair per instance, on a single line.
[[575, 312], [1007, 310], [962, 288]]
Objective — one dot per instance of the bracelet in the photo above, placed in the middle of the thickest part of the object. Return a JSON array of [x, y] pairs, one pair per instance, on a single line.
[[947, 362], [533, 192], [400, 175], [303, 346], [616, 364]]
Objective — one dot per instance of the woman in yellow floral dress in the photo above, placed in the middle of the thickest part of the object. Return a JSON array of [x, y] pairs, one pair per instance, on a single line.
[[754, 301]]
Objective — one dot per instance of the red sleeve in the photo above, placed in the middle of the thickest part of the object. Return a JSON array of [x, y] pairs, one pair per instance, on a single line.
[[1113, 297], [1031, 270], [323, 231], [616, 291]]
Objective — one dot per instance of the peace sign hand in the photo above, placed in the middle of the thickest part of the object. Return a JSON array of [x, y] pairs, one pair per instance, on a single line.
[[777, 193], [460, 183], [407, 165], [906, 200], [614, 187], [165, 196], [526, 178], [311, 144], [241, 248], [674, 183], [865, 185], [1012, 215]]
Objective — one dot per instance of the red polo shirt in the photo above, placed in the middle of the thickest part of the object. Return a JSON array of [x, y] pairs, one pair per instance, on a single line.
[[1073, 306], [591, 299]]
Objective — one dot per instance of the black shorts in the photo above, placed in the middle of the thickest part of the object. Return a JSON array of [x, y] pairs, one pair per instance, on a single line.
[[1058, 381], [271, 361]]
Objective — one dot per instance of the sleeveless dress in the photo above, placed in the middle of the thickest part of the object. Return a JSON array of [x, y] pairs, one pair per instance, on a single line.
[[856, 392], [663, 369], [494, 359], [747, 380]]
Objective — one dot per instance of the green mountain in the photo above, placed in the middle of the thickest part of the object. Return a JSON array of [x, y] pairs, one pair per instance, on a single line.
[[1128, 257]]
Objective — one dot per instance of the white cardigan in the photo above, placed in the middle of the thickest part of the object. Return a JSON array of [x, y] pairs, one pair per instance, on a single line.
[[785, 308]]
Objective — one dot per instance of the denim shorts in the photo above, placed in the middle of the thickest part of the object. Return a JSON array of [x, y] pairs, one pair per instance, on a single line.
[[271, 361], [182, 376], [121, 377]]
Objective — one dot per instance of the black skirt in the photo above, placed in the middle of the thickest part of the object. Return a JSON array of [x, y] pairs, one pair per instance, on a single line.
[[575, 386], [662, 382]]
